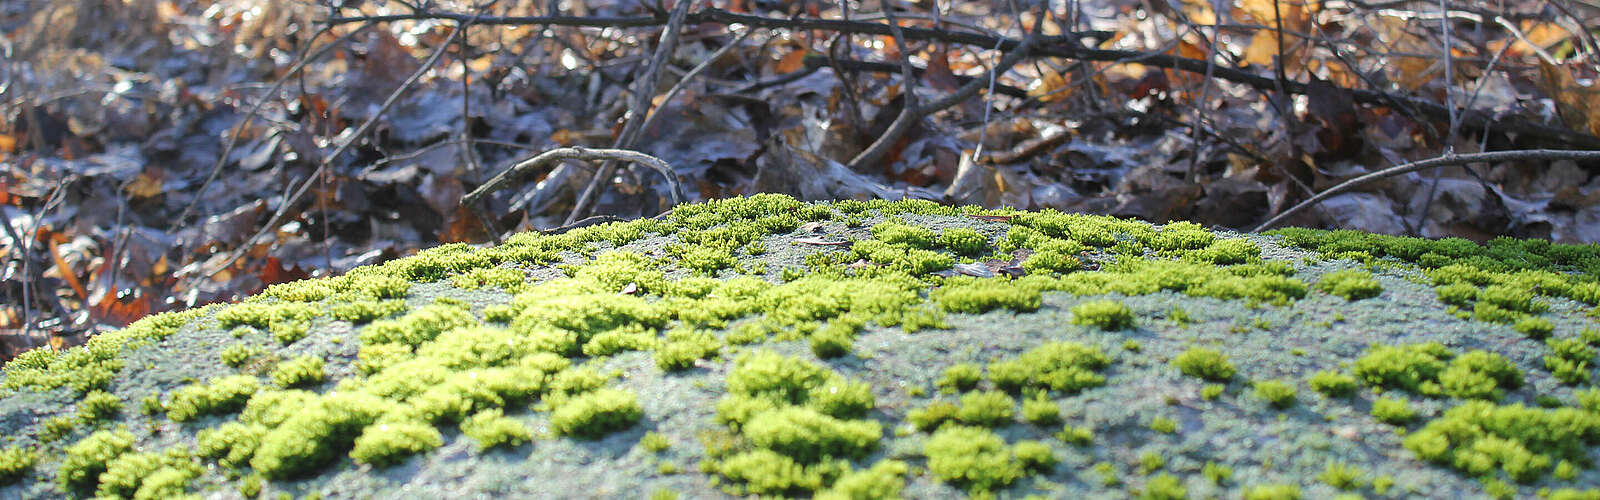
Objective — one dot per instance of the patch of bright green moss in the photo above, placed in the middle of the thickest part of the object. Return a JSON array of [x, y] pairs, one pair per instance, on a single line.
[[217, 396], [1422, 369], [85, 460], [1479, 437], [1277, 393], [1058, 366], [809, 436], [1204, 363], [960, 377], [15, 462], [1333, 384], [596, 414], [986, 408], [1352, 284], [972, 457], [299, 372], [388, 443], [1570, 360], [885, 479], [1106, 314], [1393, 411]]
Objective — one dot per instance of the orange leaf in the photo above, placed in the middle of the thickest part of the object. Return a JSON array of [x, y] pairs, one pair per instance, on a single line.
[[794, 61], [1573, 101]]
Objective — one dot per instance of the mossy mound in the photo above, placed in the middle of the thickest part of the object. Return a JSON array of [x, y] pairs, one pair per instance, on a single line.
[[764, 346]]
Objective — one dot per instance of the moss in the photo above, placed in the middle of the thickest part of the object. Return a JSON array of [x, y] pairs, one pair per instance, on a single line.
[[1216, 472], [15, 462], [683, 347], [1479, 437], [934, 415], [1333, 384], [1108, 474], [885, 479], [418, 326], [1041, 411], [299, 372], [1272, 492], [970, 295], [1058, 366], [1080, 436], [389, 443], [1534, 327], [971, 457], [316, 434], [1342, 476], [1106, 314], [364, 311], [85, 460], [219, 395], [765, 472], [595, 414], [655, 442], [98, 406], [232, 443], [1035, 456], [1164, 425], [1351, 284], [1151, 461], [1277, 393], [963, 241], [1422, 369], [960, 377], [987, 408], [1164, 487], [55, 428], [1569, 360], [1393, 411], [898, 233], [236, 355], [809, 436], [148, 476], [1204, 363], [1211, 392]]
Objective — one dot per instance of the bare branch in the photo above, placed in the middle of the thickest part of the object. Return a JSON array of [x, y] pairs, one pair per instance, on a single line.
[[539, 162]]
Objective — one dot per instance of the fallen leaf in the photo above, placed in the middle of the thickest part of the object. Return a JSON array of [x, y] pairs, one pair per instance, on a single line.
[[820, 241]]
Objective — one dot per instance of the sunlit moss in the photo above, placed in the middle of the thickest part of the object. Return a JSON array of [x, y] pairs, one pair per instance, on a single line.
[[1204, 363]]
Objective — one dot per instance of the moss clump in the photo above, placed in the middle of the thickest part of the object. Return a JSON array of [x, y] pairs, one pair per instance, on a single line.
[[1342, 476], [1041, 411], [1457, 294], [885, 479], [1333, 384], [1569, 360], [219, 395], [1479, 437], [1164, 425], [491, 428], [85, 460], [963, 241], [987, 408], [934, 415], [1164, 487], [972, 457], [148, 475], [898, 233], [1204, 363], [97, 406], [299, 372], [236, 355], [318, 433], [1106, 314], [386, 444], [1533, 327], [777, 380], [1058, 366], [960, 377], [418, 326], [1277, 393], [1272, 492], [809, 436], [964, 294], [232, 443], [1422, 369], [1393, 411], [596, 414], [15, 462], [364, 311], [1351, 284]]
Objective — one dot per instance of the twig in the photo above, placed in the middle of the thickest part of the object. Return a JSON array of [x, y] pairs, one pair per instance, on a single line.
[[1442, 161], [290, 199], [637, 112], [910, 108], [537, 163], [687, 77], [1064, 46]]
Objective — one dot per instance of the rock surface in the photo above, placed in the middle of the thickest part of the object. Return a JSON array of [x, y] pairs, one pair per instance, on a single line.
[[850, 350]]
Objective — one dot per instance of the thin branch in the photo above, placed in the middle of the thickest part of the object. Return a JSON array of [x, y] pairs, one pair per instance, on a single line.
[[537, 163], [1442, 161]]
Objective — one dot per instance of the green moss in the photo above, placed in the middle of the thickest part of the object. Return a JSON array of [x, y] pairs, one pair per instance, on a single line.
[[1479, 437], [1164, 425], [418, 326], [15, 462], [1217, 473], [1351, 284], [389, 443], [1108, 474], [1393, 411], [885, 479], [897, 233], [1106, 314], [1422, 369], [55, 428], [1211, 392], [491, 428], [1342, 476], [364, 311], [85, 460], [236, 355], [1151, 461], [963, 241], [1041, 411], [765, 472], [98, 406], [1164, 487], [683, 347], [318, 433], [964, 294], [934, 415], [1204, 363], [971, 457], [299, 372], [232, 443], [147, 475], [1569, 360], [809, 436], [1534, 327], [1035, 456], [1272, 492], [960, 377], [1277, 393], [655, 442], [987, 408], [217, 396], [1333, 384], [595, 414], [1058, 366]]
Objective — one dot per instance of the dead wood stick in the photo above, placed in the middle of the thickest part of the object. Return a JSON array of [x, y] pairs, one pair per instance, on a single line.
[[1442, 161], [538, 163]]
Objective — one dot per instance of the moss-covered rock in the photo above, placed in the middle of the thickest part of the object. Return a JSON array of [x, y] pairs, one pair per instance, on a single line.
[[854, 349]]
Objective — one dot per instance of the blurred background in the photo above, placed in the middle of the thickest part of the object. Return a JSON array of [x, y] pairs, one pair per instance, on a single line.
[[161, 154]]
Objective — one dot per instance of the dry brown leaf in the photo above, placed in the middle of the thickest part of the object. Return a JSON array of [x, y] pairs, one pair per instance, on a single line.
[[1574, 102]]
